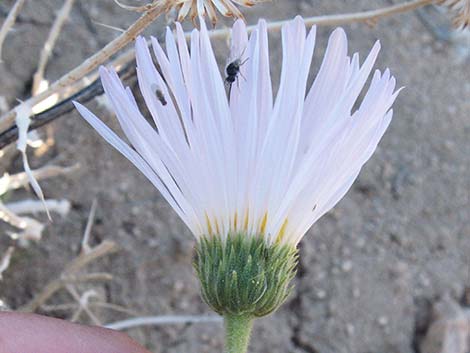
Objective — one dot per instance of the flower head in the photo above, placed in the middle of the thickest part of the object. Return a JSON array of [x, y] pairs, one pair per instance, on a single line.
[[250, 164], [197, 8]]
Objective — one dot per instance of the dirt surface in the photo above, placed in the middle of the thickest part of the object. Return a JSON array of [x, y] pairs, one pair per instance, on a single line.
[[370, 269]]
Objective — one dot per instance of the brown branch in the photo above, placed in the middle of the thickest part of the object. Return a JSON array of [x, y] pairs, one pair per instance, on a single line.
[[89, 64], [366, 16], [9, 22], [16, 181], [49, 44], [83, 304], [75, 305], [105, 248]]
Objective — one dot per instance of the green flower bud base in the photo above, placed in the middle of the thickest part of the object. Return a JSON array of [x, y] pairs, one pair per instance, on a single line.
[[243, 278]]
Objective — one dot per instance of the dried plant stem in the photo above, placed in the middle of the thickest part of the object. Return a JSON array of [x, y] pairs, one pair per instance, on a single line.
[[20, 180], [8, 216], [88, 277], [91, 63], [114, 307], [163, 320], [9, 22], [105, 248], [74, 305], [34, 206], [30, 228], [5, 260], [371, 16], [50, 43], [89, 224], [83, 304]]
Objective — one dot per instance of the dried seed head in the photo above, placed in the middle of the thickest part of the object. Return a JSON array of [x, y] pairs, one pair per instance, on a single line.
[[197, 8], [460, 10]]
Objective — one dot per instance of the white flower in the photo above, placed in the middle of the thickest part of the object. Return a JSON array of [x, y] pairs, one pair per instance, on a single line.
[[252, 165]]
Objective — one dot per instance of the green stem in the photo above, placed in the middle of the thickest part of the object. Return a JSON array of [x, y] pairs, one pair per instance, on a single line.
[[237, 333]]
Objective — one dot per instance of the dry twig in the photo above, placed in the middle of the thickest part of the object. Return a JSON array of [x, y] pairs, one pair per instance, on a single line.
[[74, 306], [163, 320], [61, 207], [5, 261], [91, 91], [366, 16], [89, 64], [46, 51], [9, 22], [83, 304], [89, 224], [20, 180], [30, 228], [105, 248]]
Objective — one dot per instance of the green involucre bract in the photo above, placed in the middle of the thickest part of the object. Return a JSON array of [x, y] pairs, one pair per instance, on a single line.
[[243, 275]]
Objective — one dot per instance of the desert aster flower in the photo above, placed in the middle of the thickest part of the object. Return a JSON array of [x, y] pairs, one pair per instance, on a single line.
[[250, 165], [249, 175]]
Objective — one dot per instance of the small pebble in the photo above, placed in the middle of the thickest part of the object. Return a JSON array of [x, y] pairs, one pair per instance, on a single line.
[[347, 266], [350, 329], [332, 309], [361, 242], [153, 242], [345, 251], [178, 286], [424, 280], [467, 87], [452, 109], [383, 321], [320, 275]]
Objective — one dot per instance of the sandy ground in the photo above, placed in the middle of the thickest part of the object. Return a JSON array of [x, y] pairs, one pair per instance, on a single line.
[[370, 269]]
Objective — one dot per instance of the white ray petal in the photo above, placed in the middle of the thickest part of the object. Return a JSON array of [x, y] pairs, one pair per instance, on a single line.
[[250, 163], [135, 159]]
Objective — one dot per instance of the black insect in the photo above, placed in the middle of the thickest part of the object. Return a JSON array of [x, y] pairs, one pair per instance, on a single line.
[[232, 71], [161, 96]]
